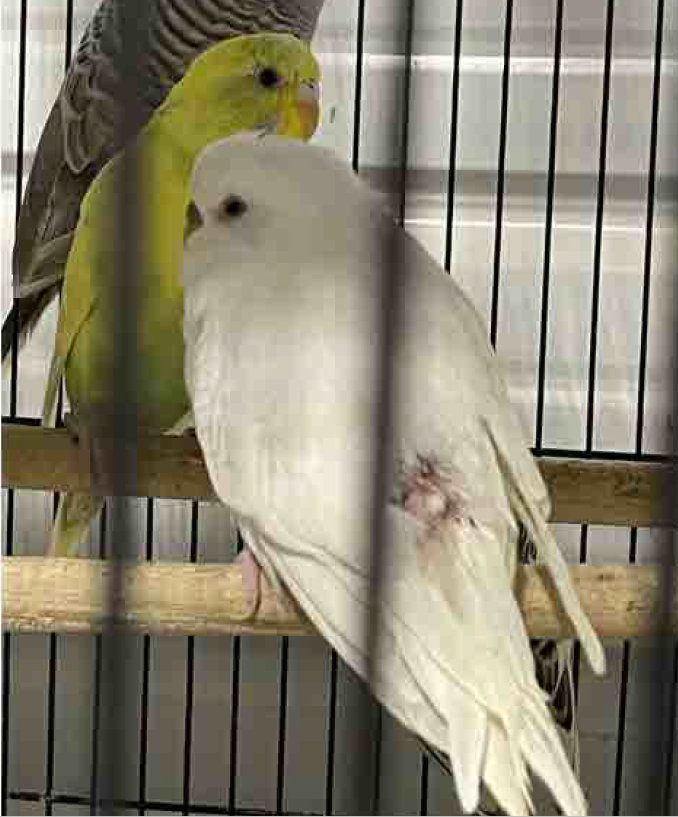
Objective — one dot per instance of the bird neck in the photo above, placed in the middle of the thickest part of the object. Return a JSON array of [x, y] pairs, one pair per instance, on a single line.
[[165, 176], [162, 152], [184, 129]]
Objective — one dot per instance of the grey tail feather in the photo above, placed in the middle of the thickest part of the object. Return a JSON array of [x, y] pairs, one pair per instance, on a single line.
[[22, 319]]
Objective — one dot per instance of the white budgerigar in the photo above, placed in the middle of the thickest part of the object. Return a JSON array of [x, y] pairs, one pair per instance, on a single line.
[[283, 277]]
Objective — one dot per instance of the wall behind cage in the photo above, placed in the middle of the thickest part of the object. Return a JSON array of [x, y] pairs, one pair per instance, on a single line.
[[263, 723]]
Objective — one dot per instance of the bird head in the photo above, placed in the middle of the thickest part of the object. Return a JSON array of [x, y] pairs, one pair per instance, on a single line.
[[266, 83], [268, 192]]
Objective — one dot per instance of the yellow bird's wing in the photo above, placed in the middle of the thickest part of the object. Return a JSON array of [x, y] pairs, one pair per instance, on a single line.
[[79, 295]]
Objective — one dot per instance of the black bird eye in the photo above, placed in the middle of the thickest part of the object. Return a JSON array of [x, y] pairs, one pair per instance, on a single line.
[[232, 207], [269, 77]]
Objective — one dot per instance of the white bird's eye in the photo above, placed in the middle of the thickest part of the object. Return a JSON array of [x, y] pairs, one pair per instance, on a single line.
[[232, 207], [268, 77]]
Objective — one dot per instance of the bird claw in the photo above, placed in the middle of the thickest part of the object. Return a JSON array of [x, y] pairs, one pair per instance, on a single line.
[[251, 573]]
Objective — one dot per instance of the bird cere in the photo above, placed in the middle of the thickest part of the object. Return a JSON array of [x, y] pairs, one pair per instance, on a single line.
[[258, 317]]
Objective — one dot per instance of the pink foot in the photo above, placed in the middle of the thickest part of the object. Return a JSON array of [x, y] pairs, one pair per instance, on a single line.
[[252, 577]]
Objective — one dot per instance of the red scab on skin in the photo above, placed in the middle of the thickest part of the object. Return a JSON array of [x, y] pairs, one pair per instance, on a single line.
[[430, 494]]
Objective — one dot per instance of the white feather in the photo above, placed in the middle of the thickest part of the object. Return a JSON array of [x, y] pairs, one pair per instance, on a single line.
[[282, 309]]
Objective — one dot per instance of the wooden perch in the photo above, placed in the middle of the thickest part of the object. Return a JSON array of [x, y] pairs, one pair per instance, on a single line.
[[164, 598], [605, 493]]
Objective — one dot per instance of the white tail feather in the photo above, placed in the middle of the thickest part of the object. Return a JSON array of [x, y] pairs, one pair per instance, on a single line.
[[499, 724], [547, 547]]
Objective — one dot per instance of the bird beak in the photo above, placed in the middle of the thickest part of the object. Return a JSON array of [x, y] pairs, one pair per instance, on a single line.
[[299, 111]]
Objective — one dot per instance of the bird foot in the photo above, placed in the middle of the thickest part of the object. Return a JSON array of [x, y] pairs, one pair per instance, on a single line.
[[251, 573]]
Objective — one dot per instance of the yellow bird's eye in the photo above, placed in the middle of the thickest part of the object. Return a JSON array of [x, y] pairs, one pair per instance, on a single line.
[[268, 77]]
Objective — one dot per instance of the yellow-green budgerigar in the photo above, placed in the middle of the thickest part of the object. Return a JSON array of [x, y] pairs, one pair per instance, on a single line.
[[85, 129], [262, 82]]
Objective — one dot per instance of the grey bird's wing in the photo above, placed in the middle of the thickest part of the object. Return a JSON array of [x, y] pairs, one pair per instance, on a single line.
[[77, 140], [81, 133]]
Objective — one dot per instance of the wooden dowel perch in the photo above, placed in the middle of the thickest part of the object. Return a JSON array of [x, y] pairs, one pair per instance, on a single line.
[[596, 492], [69, 595]]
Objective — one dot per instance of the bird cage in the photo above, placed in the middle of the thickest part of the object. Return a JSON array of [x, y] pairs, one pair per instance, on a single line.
[[530, 146]]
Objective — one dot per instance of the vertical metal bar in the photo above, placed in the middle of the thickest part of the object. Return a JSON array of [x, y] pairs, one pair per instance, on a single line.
[[358, 97], [621, 715], [600, 208], [377, 737], [118, 419], [642, 378], [145, 677], [454, 129], [96, 683], [548, 227], [190, 677], [649, 226], [235, 707], [96, 730], [378, 558], [9, 530], [393, 298], [671, 729], [21, 105], [282, 724], [331, 733], [51, 711], [68, 44], [501, 171], [423, 801], [405, 124], [334, 661], [53, 639], [595, 294]]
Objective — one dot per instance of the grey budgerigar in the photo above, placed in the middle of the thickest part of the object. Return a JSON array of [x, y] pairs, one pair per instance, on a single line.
[[83, 129]]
